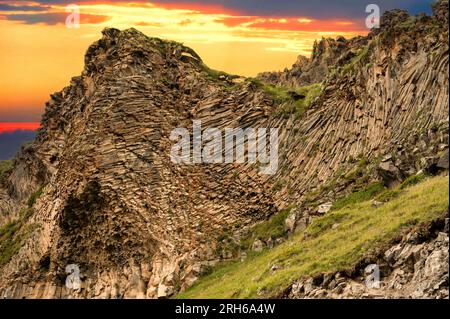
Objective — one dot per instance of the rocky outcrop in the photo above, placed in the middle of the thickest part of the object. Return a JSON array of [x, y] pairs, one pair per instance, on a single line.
[[416, 267], [138, 225]]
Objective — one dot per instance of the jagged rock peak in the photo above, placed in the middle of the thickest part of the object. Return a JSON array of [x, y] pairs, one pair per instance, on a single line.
[[133, 47], [325, 54]]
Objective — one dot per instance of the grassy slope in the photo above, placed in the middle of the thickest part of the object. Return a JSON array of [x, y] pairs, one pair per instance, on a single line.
[[361, 229]]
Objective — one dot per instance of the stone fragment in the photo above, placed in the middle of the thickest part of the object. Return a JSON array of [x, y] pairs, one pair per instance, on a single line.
[[324, 208], [258, 245]]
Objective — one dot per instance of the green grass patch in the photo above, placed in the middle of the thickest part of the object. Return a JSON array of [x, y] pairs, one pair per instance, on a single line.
[[362, 229], [273, 228], [34, 196], [5, 167], [296, 101], [358, 171], [388, 195], [12, 238], [311, 92], [9, 243], [413, 180], [14, 233], [218, 76], [362, 195], [361, 56]]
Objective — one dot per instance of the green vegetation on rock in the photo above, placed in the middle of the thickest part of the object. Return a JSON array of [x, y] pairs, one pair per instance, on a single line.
[[14, 233], [333, 242], [34, 196], [413, 180], [361, 56], [217, 75], [408, 23], [5, 166], [362, 195], [295, 101], [273, 228], [12, 238]]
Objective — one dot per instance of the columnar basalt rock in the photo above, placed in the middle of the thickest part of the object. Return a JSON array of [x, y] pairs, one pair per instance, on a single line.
[[113, 202], [138, 225]]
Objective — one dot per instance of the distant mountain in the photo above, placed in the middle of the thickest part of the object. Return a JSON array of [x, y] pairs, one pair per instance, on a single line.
[[10, 142]]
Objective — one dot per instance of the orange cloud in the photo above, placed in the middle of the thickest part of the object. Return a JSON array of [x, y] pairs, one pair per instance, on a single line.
[[198, 8], [290, 24]]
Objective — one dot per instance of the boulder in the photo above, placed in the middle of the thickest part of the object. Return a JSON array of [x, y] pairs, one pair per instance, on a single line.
[[442, 162], [270, 243], [258, 245], [389, 173], [164, 291], [303, 223], [290, 222]]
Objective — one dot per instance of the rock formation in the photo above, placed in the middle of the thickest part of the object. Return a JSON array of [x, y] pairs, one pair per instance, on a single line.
[[137, 225], [327, 54]]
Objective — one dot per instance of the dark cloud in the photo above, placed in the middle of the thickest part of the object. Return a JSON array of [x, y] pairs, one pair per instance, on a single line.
[[53, 18], [8, 7]]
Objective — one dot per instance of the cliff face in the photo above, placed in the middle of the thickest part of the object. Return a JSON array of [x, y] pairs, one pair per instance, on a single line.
[[111, 201], [388, 103]]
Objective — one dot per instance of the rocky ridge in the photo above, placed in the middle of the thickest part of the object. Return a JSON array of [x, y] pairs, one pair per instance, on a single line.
[[327, 54]]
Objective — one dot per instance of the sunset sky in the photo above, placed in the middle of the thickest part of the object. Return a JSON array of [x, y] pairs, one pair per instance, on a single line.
[[39, 54]]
